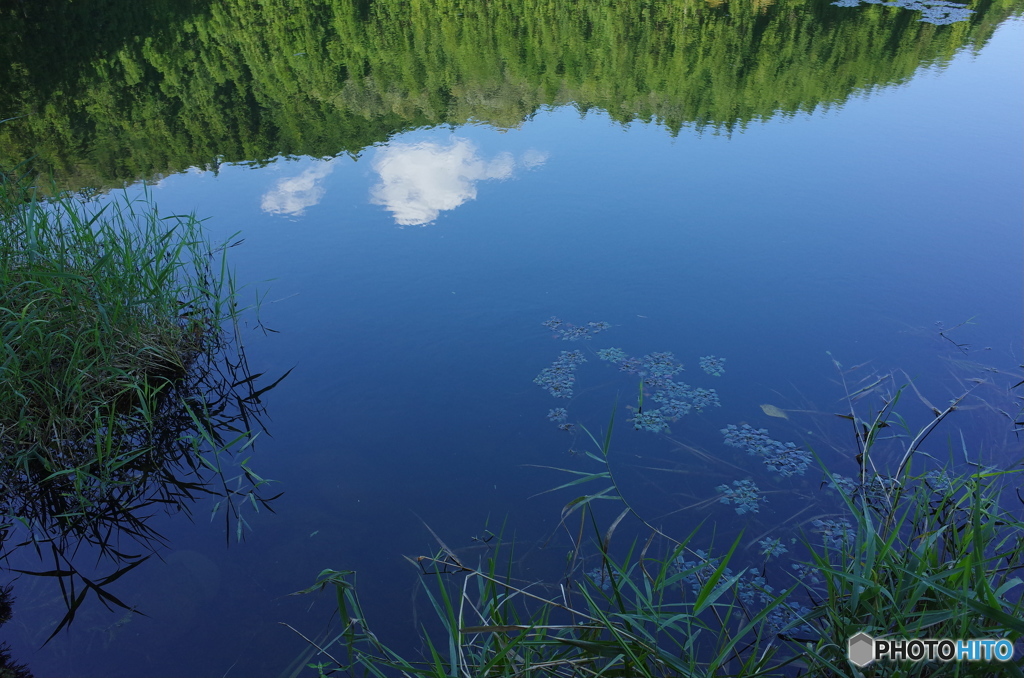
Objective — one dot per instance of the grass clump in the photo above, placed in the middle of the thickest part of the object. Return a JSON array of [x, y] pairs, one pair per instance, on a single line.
[[99, 312], [120, 372], [939, 557]]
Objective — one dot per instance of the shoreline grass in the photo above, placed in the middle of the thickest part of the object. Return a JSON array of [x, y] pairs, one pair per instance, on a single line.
[[124, 390], [905, 555]]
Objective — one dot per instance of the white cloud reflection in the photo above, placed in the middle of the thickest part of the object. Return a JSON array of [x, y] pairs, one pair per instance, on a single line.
[[419, 181], [534, 158], [293, 195]]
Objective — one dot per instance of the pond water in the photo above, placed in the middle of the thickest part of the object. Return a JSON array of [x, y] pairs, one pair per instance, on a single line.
[[418, 195]]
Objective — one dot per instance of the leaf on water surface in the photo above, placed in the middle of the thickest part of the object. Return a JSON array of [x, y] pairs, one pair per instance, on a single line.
[[773, 411]]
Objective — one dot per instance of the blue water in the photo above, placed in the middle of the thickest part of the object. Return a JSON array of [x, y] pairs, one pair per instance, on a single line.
[[408, 288]]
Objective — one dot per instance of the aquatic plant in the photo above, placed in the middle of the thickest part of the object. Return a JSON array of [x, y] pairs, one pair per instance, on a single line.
[[600, 577], [910, 577], [744, 495], [569, 332], [696, 572], [785, 459], [806, 573], [834, 533], [938, 480], [672, 391], [674, 409], [631, 365], [559, 415], [560, 377], [755, 441], [713, 365], [650, 420], [753, 589], [614, 355], [772, 548], [790, 620], [846, 486], [704, 397], [655, 370]]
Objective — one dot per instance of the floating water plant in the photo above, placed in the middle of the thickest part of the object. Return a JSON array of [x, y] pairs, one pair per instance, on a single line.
[[655, 370], [560, 377], [569, 332], [658, 369], [559, 415], [785, 459], [808, 574], [753, 589], [650, 420], [790, 620], [835, 533], [745, 436], [744, 495], [704, 397], [772, 548], [615, 355], [713, 365], [847, 486], [600, 577]]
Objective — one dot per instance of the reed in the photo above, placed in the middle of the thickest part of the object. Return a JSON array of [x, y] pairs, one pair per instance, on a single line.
[[120, 373]]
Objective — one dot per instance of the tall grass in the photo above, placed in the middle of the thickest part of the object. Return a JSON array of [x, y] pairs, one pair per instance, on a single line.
[[121, 380], [937, 554]]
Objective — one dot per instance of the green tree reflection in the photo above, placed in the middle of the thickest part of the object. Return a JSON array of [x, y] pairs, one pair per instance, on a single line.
[[113, 94]]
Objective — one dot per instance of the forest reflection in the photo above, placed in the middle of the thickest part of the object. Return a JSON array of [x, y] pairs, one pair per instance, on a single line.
[[101, 101]]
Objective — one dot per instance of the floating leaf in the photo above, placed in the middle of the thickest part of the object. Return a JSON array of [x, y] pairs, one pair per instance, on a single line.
[[773, 411]]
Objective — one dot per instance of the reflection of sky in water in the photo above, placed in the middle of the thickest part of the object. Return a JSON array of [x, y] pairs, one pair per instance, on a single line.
[[419, 181], [939, 12], [293, 195]]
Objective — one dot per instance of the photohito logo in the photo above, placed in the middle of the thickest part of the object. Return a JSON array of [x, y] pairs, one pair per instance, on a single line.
[[862, 649]]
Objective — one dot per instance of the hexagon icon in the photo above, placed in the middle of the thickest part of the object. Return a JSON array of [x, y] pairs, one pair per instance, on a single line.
[[861, 649]]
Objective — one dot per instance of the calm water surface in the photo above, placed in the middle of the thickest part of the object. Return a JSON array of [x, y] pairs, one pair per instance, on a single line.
[[408, 280]]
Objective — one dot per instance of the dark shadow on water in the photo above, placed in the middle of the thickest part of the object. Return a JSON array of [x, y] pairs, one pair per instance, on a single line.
[[188, 452]]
